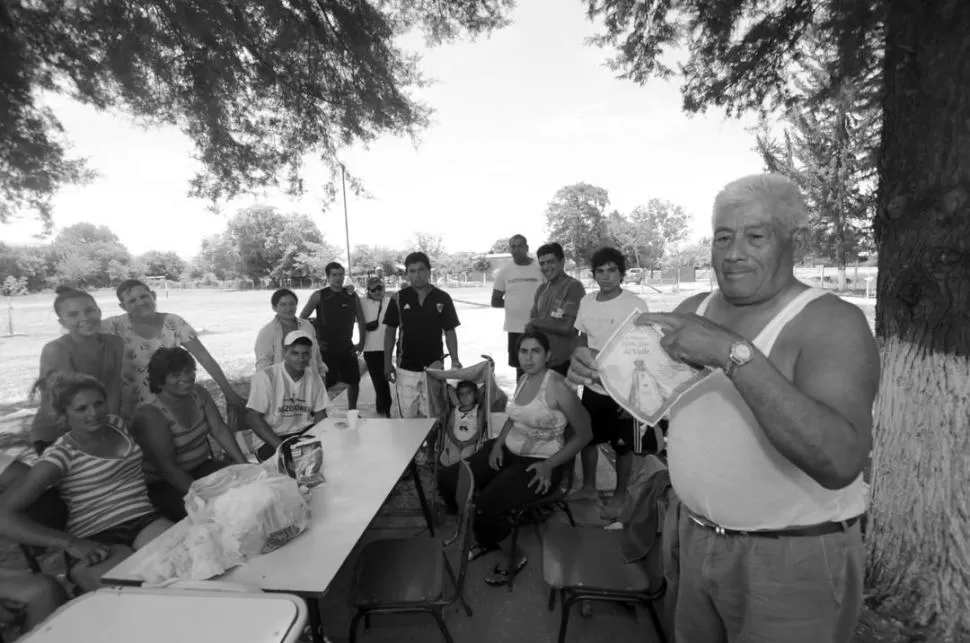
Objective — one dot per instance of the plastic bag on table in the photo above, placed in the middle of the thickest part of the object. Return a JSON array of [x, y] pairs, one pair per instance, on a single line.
[[301, 458], [188, 551], [259, 511]]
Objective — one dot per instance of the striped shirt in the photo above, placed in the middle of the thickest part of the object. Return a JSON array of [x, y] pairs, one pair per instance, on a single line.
[[100, 493], [191, 444]]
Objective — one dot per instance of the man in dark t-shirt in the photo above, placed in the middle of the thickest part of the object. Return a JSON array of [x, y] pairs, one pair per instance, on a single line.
[[337, 310], [423, 313]]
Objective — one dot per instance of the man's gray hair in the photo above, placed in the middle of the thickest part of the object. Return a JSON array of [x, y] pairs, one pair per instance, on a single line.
[[776, 193]]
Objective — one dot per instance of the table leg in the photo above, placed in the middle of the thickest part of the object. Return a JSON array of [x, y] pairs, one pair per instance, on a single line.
[[316, 622], [424, 501]]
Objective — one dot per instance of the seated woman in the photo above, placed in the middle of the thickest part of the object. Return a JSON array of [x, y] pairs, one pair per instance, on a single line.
[[96, 467], [144, 330], [269, 340], [84, 349], [172, 430], [525, 462]]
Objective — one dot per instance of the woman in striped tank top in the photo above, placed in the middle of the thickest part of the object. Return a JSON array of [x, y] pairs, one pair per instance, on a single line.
[[96, 467], [173, 430]]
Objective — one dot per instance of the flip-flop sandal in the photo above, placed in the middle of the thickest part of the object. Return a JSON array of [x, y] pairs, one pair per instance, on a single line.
[[478, 551], [500, 576], [611, 513]]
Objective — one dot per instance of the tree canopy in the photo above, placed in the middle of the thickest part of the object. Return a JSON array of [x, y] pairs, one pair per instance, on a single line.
[[155, 263], [262, 242], [90, 255], [576, 218], [741, 52], [255, 85], [645, 234], [499, 246], [829, 147]]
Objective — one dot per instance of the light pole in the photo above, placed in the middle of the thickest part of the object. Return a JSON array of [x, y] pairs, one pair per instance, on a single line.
[[343, 184]]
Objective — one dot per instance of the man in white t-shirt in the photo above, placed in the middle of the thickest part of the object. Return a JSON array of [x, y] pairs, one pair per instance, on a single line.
[[600, 313], [515, 290], [287, 398]]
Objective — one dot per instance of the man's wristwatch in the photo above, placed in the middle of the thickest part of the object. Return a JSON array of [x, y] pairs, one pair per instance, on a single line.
[[741, 354]]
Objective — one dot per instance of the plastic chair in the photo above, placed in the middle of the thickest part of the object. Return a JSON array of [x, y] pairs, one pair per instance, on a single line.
[[48, 511], [406, 575], [534, 511], [483, 374], [586, 564]]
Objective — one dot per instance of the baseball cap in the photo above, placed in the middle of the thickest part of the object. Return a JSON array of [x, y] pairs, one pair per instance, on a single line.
[[294, 335]]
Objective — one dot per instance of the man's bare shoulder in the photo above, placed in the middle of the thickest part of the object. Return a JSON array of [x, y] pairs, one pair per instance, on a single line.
[[833, 309], [692, 303], [833, 320]]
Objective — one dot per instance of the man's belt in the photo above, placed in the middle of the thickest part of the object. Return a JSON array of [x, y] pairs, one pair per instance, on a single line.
[[821, 529]]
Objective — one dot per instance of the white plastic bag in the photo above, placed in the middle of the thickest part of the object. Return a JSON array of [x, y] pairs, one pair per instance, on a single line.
[[187, 551], [256, 509]]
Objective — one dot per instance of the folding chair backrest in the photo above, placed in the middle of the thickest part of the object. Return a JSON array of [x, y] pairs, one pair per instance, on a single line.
[[487, 404], [465, 495], [440, 405]]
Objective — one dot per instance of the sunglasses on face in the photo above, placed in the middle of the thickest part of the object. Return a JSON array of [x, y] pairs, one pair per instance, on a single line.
[[377, 288]]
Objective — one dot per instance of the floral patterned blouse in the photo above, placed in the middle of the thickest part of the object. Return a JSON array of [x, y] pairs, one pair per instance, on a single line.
[[175, 332]]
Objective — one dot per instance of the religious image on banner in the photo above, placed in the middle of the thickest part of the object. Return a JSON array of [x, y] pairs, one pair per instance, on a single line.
[[638, 373]]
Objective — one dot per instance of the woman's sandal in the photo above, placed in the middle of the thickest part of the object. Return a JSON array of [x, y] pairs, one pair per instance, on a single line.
[[501, 576], [477, 551]]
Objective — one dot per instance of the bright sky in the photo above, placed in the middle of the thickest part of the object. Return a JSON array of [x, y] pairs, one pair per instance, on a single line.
[[518, 116]]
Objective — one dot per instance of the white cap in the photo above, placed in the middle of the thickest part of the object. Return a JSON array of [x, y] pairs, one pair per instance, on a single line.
[[292, 336]]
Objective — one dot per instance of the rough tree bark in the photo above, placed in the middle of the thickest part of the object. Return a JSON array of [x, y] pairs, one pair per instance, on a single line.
[[918, 558]]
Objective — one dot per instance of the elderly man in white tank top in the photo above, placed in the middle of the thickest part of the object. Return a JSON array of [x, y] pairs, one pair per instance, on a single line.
[[766, 454]]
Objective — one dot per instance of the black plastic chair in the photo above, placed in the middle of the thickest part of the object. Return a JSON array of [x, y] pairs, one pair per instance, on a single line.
[[586, 564], [50, 511], [537, 512], [406, 575]]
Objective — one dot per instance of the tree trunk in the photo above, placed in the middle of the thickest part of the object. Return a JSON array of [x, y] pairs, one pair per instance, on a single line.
[[919, 526]]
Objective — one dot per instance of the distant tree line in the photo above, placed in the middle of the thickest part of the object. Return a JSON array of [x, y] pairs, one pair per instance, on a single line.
[[260, 244]]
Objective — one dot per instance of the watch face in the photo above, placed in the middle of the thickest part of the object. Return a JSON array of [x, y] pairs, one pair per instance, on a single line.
[[742, 351]]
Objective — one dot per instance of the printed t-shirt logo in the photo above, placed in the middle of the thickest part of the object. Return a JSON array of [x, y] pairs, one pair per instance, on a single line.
[[439, 308], [293, 406]]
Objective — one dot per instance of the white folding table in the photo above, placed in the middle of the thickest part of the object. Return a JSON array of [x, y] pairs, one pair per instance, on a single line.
[[361, 467], [122, 615]]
